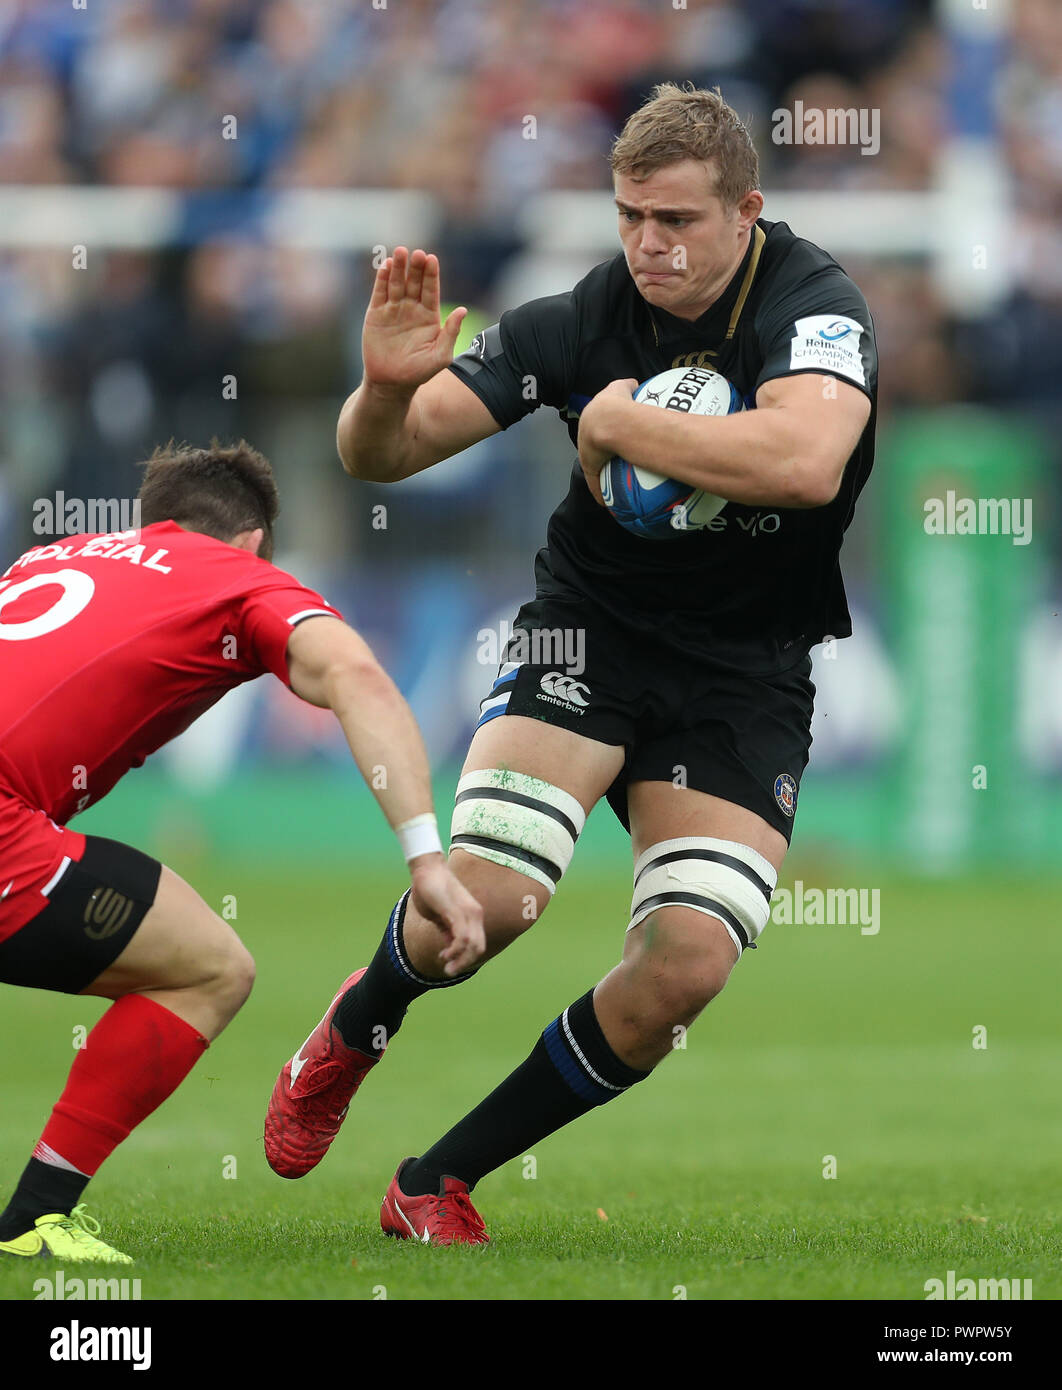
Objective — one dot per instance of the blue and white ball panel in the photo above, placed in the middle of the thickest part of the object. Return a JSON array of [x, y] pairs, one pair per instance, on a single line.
[[652, 506]]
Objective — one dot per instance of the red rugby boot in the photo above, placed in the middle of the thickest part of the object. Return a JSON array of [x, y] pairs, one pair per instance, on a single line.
[[448, 1219], [312, 1095]]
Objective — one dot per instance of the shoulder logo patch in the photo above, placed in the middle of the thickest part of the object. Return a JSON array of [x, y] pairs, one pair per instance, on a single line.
[[828, 343]]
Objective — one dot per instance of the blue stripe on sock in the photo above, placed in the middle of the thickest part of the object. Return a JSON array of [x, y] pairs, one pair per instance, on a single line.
[[403, 966], [569, 1067], [394, 950]]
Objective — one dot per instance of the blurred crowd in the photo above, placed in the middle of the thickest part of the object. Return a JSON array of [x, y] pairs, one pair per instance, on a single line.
[[433, 95]]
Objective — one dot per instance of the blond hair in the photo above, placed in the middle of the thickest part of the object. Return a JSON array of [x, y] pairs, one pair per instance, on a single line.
[[689, 122]]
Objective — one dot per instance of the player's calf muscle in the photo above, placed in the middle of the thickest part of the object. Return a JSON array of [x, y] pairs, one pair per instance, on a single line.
[[511, 904]]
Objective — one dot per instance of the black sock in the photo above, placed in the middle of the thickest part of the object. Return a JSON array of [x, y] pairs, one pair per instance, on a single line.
[[571, 1070], [42, 1189], [371, 1012]]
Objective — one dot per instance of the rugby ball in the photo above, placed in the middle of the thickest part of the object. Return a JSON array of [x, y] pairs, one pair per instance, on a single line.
[[646, 503]]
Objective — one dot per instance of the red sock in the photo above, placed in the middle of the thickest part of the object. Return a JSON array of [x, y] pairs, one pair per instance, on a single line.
[[137, 1055]]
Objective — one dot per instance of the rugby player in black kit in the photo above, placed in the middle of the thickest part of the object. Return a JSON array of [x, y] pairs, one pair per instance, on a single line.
[[692, 712]]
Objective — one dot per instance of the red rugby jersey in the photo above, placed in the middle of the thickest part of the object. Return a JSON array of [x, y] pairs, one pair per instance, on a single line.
[[111, 645]]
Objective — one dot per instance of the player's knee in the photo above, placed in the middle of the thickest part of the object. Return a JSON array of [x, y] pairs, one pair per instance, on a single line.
[[513, 914], [677, 974], [232, 975], [698, 903], [685, 995], [242, 975]]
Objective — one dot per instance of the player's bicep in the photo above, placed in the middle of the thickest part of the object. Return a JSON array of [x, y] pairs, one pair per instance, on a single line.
[[828, 416], [450, 418], [317, 648]]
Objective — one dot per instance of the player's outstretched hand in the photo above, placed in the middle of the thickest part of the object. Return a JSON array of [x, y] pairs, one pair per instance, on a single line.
[[403, 343], [440, 897]]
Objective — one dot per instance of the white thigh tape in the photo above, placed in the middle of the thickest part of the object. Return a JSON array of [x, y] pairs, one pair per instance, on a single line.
[[519, 821], [722, 878]]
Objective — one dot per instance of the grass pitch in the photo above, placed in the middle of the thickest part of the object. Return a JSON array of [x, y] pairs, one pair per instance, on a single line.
[[830, 1050]]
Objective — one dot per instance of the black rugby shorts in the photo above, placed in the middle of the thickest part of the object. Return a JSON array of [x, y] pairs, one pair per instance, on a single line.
[[681, 719]]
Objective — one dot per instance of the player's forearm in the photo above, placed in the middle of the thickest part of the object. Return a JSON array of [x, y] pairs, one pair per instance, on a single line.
[[757, 457], [377, 432], [384, 739]]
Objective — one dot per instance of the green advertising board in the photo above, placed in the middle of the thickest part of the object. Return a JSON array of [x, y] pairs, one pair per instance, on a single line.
[[962, 500]]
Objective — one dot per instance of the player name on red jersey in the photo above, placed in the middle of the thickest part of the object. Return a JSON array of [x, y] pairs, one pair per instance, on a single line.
[[114, 546]]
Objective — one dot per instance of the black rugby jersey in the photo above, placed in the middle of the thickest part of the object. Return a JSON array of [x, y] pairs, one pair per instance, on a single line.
[[761, 584]]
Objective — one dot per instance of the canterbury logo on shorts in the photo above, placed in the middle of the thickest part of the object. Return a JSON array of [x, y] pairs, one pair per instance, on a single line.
[[564, 690], [106, 912]]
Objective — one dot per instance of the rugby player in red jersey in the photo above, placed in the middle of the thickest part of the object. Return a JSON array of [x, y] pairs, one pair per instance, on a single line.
[[110, 646]]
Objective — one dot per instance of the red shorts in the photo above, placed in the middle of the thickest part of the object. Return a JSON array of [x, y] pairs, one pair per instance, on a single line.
[[34, 851]]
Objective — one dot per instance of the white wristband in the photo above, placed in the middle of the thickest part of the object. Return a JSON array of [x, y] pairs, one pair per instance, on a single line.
[[419, 836]]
